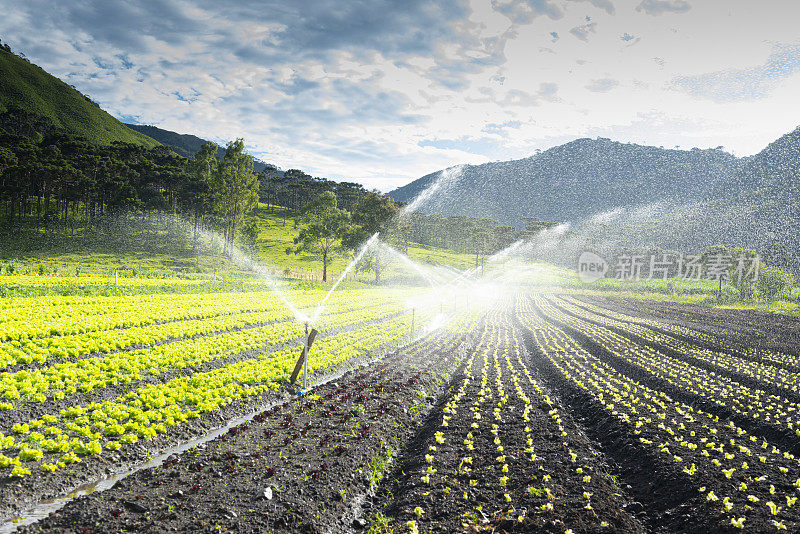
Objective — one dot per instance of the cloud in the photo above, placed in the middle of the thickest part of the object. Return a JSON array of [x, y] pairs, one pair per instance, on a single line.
[[387, 90], [525, 11], [516, 97], [485, 146], [659, 7], [582, 32], [737, 85], [602, 85], [499, 128], [605, 5]]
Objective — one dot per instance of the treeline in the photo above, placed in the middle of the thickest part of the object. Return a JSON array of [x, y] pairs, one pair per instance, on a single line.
[[294, 190], [56, 184]]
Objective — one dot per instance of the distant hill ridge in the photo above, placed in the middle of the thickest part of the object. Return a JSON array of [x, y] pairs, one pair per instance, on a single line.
[[185, 145], [577, 179], [30, 88]]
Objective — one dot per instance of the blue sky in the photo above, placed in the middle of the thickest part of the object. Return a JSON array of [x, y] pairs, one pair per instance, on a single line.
[[383, 92]]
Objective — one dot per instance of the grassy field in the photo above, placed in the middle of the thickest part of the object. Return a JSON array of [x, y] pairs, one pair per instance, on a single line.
[[277, 233], [85, 266], [74, 255]]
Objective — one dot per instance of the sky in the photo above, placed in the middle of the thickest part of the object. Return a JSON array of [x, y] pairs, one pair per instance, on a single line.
[[382, 92]]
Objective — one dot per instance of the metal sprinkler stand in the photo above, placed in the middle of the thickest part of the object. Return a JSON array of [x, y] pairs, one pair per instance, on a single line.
[[302, 362], [412, 323], [305, 363]]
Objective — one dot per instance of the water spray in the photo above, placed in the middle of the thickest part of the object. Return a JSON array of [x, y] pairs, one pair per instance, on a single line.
[[321, 306]]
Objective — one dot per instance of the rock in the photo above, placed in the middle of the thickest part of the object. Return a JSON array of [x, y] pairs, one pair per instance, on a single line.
[[359, 522], [177, 495], [267, 493], [633, 507], [135, 507]]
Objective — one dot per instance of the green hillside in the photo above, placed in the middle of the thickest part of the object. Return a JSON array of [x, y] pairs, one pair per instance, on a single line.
[[28, 87]]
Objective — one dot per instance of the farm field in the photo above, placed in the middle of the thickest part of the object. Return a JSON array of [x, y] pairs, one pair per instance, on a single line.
[[466, 267], [518, 412]]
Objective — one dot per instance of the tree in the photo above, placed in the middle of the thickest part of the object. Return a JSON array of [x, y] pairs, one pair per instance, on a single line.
[[373, 213], [7, 159], [234, 186], [534, 225], [325, 225], [772, 281], [196, 194]]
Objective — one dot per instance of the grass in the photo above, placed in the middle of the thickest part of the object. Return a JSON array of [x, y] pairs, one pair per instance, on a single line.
[[275, 235], [780, 306], [87, 267], [699, 292]]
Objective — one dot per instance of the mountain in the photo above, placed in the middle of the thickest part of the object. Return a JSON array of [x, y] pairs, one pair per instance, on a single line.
[[575, 180], [29, 88], [184, 144], [760, 203], [774, 172]]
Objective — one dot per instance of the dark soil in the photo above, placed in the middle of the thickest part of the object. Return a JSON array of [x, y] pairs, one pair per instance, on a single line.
[[781, 437], [18, 495], [352, 454], [746, 328], [442, 503], [671, 505]]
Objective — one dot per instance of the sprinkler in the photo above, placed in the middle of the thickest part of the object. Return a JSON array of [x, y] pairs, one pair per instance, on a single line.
[[305, 362], [302, 362], [412, 323]]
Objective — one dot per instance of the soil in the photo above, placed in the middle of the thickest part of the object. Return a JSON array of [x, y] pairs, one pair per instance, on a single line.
[[746, 328], [304, 466], [19, 495], [454, 504]]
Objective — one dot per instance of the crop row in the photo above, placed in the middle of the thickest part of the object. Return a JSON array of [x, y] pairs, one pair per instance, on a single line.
[[755, 353], [488, 458], [30, 318], [59, 348], [89, 374], [722, 362], [749, 403], [54, 441], [331, 445], [742, 479]]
